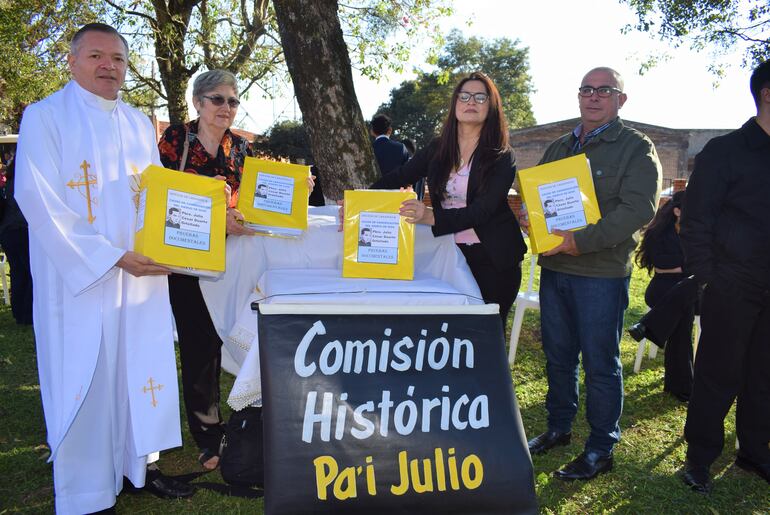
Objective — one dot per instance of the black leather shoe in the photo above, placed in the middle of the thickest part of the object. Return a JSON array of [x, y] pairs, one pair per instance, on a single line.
[[548, 440], [638, 331], [160, 485], [697, 478], [760, 469], [586, 466]]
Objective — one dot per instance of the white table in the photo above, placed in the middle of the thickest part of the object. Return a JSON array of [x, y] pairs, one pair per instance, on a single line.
[[308, 270]]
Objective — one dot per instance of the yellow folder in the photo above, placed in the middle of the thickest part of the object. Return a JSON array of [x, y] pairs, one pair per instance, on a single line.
[[181, 220], [378, 242], [558, 195], [273, 197]]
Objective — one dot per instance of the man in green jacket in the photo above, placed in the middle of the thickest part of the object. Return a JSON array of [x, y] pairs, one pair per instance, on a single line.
[[584, 280]]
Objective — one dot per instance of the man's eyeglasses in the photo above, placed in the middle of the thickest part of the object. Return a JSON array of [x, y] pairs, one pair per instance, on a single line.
[[601, 91], [219, 100], [465, 97]]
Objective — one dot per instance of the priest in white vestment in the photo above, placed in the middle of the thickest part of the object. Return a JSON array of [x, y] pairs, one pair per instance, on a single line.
[[103, 324]]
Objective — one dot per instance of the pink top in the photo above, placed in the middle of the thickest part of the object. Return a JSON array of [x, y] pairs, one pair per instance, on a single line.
[[456, 197]]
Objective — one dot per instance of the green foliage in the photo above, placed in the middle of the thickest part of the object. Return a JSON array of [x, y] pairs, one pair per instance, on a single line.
[[242, 37], [34, 37], [381, 33], [180, 38], [287, 139], [418, 107], [720, 26]]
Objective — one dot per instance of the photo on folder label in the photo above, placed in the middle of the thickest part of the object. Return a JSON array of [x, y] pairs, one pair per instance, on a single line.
[[378, 237], [274, 193], [188, 221], [562, 205]]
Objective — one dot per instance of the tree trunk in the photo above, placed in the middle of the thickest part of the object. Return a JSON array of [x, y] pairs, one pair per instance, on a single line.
[[319, 65], [169, 33]]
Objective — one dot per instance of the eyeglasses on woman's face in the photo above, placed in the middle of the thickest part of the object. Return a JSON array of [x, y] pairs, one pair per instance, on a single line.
[[466, 96], [219, 100]]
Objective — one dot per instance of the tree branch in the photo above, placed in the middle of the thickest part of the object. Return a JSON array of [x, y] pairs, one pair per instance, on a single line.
[[152, 21]]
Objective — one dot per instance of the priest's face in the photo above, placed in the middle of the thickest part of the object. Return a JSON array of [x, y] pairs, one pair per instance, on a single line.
[[98, 64]]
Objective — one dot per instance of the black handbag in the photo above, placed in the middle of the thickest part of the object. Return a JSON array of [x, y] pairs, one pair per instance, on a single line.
[[242, 457]]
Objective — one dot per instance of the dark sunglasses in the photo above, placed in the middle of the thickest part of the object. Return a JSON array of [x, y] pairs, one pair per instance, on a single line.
[[219, 100]]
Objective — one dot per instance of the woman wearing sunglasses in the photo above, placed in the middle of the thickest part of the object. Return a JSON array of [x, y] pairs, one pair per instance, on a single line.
[[470, 169], [204, 146]]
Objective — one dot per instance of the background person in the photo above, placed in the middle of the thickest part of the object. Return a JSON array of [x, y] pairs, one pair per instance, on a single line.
[[584, 280], [390, 154], [470, 168], [14, 237], [661, 252], [725, 235]]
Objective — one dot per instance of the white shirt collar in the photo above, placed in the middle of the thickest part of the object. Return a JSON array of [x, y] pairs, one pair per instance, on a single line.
[[95, 100]]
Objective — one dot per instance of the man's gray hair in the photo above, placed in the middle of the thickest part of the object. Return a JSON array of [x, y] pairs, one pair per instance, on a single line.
[[615, 75], [95, 27], [211, 80]]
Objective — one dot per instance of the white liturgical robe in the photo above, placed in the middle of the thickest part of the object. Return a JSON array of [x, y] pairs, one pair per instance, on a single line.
[[78, 162]]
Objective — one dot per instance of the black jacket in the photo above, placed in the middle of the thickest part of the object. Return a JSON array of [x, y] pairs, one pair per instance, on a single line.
[[725, 226], [390, 154], [487, 212]]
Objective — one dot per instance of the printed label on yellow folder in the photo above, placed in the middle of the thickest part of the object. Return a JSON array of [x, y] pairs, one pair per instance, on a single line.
[[378, 242], [181, 221], [273, 197], [558, 195]]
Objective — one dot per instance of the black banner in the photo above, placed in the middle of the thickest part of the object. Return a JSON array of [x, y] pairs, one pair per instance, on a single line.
[[390, 413]]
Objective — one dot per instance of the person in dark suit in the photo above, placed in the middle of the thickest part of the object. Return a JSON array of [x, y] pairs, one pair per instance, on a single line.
[[390, 154], [726, 240], [470, 168]]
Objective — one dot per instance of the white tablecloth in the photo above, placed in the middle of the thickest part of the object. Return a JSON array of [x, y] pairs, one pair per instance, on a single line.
[[441, 277]]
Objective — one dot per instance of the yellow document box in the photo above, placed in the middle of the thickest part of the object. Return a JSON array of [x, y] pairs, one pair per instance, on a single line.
[[378, 242], [181, 220], [558, 195], [273, 197]]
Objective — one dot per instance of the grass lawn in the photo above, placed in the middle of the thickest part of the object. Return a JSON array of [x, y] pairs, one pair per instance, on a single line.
[[644, 480]]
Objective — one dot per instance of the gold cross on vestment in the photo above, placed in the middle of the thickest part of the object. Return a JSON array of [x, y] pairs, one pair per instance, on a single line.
[[152, 389], [86, 181]]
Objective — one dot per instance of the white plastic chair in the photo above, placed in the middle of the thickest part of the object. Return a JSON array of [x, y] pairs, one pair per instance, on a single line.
[[640, 352], [3, 278], [529, 299]]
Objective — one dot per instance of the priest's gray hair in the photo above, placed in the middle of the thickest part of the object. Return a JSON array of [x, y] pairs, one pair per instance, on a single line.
[[95, 27], [211, 80]]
